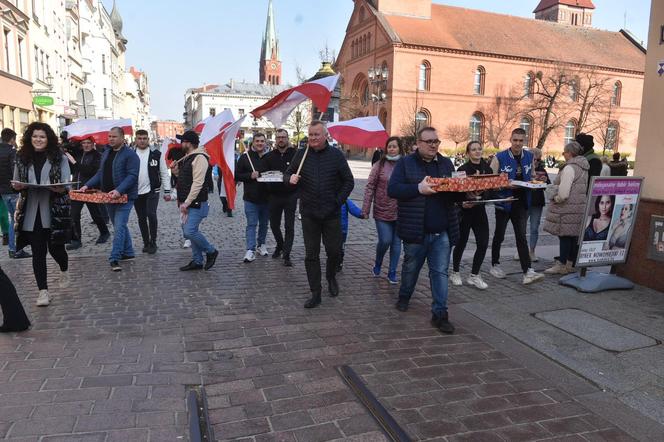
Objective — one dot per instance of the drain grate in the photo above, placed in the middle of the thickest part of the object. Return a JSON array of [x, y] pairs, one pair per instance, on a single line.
[[199, 424], [389, 426]]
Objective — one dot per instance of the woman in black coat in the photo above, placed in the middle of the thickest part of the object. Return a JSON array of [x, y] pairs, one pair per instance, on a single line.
[[14, 317]]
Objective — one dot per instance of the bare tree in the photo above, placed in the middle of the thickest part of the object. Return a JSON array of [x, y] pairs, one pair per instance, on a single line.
[[591, 99], [501, 114], [457, 133], [328, 55]]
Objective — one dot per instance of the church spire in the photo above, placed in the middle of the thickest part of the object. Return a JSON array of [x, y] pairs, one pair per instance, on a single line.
[[270, 66]]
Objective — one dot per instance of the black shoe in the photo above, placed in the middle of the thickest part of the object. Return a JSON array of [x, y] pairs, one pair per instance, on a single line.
[[115, 266], [191, 266], [277, 253], [333, 287], [287, 261], [74, 245], [151, 248], [103, 238], [145, 248], [229, 214], [210, 259], [402, 306], [21, 254], [313, 302], [443, 324], [8, 329], [5, 239], [127, 257]]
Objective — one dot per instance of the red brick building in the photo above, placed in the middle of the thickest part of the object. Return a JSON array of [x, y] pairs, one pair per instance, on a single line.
[[166, 128], [415, 63]]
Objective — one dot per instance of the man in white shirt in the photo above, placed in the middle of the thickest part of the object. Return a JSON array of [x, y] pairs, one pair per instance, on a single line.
[[152, 175]]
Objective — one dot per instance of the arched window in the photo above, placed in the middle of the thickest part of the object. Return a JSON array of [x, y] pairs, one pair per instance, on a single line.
[[476, 127], [369, 42], [353, 50], [617, 93], [424, 80], [480, 74], [574, 89], [382, 116], [422, 119], [570, 132], [528, 84], [364, 97], [612, 136], [527, 125]]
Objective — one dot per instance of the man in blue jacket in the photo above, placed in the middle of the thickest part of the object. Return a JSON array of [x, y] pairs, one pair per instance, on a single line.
[[427, 223], [118, 175]]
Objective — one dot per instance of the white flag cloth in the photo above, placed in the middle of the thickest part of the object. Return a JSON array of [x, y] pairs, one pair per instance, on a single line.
[[96, 129], [215, 125]]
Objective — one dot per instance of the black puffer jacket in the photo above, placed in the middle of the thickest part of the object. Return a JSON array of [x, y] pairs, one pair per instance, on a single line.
[[254, 191], [325, 182], [7, 161], [87, 165]]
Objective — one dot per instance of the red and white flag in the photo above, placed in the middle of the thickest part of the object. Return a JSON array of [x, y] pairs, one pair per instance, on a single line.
[[96, 129], [278, 108], [166, 146], [201, 124], [214, 125], [362, 132], [221, 149]]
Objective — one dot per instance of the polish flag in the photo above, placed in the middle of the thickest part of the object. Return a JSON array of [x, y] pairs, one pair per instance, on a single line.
[[166, 146], [278, 108], [362, 132], [96, 129], [221, 149], [214, 125], [201, 124]]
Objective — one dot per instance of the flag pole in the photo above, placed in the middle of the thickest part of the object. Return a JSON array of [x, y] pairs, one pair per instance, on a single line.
[[299, 168]]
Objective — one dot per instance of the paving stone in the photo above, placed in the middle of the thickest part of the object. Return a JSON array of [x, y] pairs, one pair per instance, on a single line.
[[318, 433], [41, 426], [290, 421]]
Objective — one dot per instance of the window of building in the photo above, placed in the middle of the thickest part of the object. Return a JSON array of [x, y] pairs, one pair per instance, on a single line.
[[368, 42], [424, 80], [527, 125], [241, 112], [36, 63], [382, 116], [617, 93], [612, 134], [21, 54], [574, 89], [2, 116], [11, 118], [24, 118], [103, 63], [105, 98], [353, 52], [528, 84], [364, 97], [480, 74], [476, 127], [7, 35], [422, 119], [570, 132], [212, 111]]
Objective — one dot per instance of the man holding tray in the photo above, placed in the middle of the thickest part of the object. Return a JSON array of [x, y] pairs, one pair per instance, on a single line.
[[117, 176]]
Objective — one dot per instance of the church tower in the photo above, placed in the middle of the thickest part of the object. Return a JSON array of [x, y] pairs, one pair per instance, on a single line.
[[270, 66], [568, 12]]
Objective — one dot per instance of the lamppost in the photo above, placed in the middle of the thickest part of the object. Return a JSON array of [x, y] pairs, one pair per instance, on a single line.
[[378, 80]]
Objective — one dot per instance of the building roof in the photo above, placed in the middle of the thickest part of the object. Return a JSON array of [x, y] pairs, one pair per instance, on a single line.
[[270, 45], [486, 32], [546, 4], [243, 88]]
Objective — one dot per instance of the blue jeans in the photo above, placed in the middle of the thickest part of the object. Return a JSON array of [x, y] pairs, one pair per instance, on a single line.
[[10, 201], [436, 250], [119, 215], [257, 215], [388, 239], [535, 215], [199, 244]]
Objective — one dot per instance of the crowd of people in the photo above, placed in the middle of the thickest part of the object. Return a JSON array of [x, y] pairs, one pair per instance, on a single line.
[[409, 215]]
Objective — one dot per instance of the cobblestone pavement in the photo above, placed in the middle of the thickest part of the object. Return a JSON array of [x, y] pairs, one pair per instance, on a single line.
[[113, 355]]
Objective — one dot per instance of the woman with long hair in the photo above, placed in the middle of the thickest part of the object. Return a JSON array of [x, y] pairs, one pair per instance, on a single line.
[[384, 208], [598, 226], [473, 217], [620, 232], [43, 214]]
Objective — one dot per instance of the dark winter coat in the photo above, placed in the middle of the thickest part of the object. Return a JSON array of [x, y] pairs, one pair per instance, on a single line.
[[276, 160], [254, 191], [7, 161]]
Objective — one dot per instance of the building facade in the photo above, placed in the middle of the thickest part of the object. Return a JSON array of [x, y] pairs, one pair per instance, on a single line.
[[414, 63], [161, 129]]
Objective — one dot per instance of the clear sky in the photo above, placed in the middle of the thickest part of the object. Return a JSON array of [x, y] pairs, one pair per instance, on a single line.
[[184, 44]]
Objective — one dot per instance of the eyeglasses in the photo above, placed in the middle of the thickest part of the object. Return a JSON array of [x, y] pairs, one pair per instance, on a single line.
[[279, 136], [431, 142]]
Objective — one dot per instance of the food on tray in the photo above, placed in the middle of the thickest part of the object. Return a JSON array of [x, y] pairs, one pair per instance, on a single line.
[[470, 183]]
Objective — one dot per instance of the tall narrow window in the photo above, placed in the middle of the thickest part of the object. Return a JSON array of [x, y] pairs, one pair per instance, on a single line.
[[7, 34], [422, 119], [105, 98], [478, 87], [21, 53], [476, 127], [424, 80], [527, 125], [103, 63], [574, 89], [617, 93], [528, 85], [570, 132]]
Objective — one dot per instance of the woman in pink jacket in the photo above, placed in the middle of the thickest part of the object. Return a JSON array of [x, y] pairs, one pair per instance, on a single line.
[[384, 208]]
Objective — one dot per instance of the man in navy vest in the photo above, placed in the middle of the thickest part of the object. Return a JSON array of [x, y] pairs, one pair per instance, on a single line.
[[152, 175], [518, 164], [427, 223]]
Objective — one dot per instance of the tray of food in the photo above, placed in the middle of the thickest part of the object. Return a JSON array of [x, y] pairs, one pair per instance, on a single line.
[[469, 183], [532, 184], [96, 196], [271, 176]]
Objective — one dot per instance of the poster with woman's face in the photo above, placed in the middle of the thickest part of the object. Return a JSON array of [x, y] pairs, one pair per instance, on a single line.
[[598, 218]]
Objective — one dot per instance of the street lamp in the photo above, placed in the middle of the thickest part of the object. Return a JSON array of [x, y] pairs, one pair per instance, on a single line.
[[378, 79]]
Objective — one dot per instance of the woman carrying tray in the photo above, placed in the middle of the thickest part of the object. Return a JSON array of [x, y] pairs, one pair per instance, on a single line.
[[42, 214], [473, 217]]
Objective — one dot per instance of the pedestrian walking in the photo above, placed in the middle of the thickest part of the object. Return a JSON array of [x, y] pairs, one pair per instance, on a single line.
[[117, 176], [427, 223], [8, 196], [537, 203], [384, 208], [587, 142], [43, 214], [86, 166], [619, 167], [152, 176], [256, 208], [473, 217], [324, 181], [566, 212], [282, 199], [14, 318], [518, 164], [194, 178]]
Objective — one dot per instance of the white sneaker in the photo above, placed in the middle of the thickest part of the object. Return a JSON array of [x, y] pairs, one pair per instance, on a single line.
[[477, 281], [556, 269], [187, 244], [497, 272], [533, 256], [262, 250], [532, 276], [64, 279], [455, 278], [43, 299], [250, 256]]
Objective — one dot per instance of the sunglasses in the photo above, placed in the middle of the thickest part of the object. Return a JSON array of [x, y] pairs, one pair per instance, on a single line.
[[431, 142]]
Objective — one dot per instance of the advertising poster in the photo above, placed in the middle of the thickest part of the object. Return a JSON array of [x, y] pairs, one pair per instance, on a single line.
[[609, 221]]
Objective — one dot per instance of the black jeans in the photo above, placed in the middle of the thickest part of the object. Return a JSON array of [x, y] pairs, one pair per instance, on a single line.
[[40, 242], [519, 217], [285, 204], [313, 230], [95, 211], [14, 317], [474, 219], [146, 211], [568, 249]]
